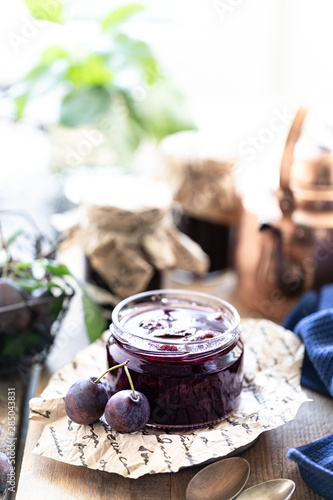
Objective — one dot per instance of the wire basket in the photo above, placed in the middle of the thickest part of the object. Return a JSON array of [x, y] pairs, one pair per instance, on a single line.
[[37, 352], [43, 312]]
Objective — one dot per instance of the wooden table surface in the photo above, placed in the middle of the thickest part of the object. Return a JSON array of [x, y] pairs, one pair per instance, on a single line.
[[45, 478]]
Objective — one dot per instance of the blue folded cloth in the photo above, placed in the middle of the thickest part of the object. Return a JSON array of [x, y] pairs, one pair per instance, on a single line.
[[315, 462], [307, 304], [312, 320]]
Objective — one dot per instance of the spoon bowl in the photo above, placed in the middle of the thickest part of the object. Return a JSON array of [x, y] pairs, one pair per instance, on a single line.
[[222, 480], [276, 489]]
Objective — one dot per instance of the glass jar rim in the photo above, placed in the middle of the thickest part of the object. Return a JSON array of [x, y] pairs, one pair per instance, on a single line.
[[189, 297]]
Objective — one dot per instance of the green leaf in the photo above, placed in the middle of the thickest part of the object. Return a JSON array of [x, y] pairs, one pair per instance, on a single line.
[[29, 284], [45, 77], [21, 102], [50, 10], [125, 135], [12, 346], [92, 71], [42, 79], [121, 15], [84, 106], [94, 321], [14, 236], [55, 308], [22, 265], [24, 275], [128, 52], [55, 268], [17, 345], [163, 112], [53, 53], [93, 317]]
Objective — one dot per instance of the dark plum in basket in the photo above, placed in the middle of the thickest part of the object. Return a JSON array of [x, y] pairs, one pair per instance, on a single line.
[[13, 322], [85, 401], [5, 468]]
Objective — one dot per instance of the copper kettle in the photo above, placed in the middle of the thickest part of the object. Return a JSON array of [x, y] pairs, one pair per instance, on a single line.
[[295, 252]]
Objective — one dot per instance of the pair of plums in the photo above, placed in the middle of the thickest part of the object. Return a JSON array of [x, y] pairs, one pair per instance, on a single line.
[[126, 411]]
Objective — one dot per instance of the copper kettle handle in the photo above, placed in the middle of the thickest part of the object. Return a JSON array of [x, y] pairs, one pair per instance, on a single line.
[[285, 194]]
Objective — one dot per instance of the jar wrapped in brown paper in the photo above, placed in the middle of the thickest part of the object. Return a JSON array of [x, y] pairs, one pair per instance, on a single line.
[[205, 191], [131, 236]]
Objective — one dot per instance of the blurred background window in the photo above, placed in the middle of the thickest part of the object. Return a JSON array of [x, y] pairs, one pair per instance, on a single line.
[[242, 67]]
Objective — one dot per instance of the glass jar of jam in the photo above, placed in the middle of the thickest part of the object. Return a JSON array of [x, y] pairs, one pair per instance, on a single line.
[[185, 354]]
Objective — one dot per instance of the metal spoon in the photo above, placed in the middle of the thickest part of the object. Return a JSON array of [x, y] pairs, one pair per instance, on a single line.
[[222, 480], [276, 489]]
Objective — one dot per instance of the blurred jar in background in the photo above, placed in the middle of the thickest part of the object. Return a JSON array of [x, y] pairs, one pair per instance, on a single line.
[[208, 204]]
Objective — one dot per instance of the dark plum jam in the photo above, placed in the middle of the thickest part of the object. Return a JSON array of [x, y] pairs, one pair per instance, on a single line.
[[185, 354]]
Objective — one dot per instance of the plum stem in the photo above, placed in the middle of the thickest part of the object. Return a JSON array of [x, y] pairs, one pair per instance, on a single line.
[[112, 368], [130, 382]]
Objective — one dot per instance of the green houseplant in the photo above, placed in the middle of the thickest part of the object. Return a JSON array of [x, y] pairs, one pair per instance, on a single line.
[[112, 83]]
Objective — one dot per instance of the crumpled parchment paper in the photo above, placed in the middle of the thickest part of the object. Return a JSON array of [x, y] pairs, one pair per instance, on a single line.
[[271, 397]]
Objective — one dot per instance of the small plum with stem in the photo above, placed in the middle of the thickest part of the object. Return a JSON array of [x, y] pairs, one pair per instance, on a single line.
[[127, 410], [86, 399]]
